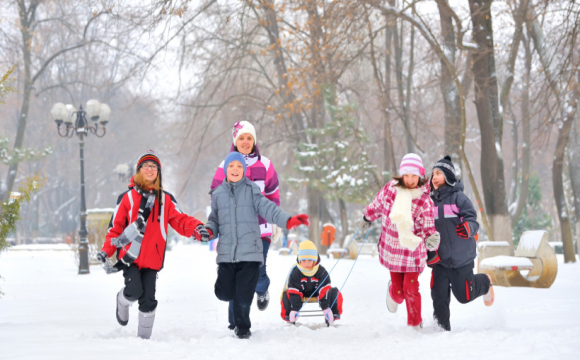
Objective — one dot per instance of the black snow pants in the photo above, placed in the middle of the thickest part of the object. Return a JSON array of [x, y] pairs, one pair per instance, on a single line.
[[466, 287], [140, 285], [237, 282]]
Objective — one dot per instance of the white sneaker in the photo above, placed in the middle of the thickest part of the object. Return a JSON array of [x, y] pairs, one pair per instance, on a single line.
[[391, 304], [418, 327]]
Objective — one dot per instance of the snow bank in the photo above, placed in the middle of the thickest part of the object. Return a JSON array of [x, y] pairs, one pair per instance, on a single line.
[[50, 312]]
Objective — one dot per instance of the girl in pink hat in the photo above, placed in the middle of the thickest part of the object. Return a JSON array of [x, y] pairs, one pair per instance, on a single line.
[[408, 231]]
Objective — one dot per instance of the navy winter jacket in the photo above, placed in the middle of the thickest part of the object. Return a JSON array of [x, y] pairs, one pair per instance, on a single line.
[[454, 208], [234, 216]]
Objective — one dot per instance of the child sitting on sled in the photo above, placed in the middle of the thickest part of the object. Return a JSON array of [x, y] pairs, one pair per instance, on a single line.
[[309, 279]]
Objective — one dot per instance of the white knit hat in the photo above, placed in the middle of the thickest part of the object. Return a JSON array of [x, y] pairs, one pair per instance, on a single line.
[[412, 164], [243, 127]]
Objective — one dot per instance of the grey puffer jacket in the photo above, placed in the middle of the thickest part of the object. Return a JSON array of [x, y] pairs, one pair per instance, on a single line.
[[234, 216]]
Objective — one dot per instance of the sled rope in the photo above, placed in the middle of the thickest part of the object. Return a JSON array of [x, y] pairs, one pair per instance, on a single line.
[[340, 258], [352, 267]]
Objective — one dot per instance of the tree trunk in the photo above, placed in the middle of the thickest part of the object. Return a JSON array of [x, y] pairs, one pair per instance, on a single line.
[[343, 220], [522, 198], [448, 86], [26, 93], [574, 165], [389, 165], [490, 121], [398, 37], [558, 185]]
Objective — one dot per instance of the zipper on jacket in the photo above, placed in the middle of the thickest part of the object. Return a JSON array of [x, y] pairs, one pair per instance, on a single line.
[[232, 187]]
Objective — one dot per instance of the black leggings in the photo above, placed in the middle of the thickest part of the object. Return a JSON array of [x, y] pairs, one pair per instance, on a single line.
[[466, 287], [140, 285]]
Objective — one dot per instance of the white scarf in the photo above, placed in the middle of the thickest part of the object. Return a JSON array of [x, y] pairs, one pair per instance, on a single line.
[[402, 216]]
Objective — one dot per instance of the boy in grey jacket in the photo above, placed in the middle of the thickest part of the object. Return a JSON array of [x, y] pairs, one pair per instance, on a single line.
[[235, 206]]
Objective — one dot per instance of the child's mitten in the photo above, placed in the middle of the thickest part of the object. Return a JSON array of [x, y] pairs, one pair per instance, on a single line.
[[293, 316], [432, 242], [463, 231], [364, 224], [102, 256], [328, 315], [297, 220], [432, 258], [202, 233]]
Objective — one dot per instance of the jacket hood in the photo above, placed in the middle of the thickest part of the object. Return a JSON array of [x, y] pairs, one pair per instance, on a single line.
[[447, 190]]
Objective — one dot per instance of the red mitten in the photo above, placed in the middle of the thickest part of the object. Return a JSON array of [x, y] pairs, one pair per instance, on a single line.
[[297, 220], [462, 230]]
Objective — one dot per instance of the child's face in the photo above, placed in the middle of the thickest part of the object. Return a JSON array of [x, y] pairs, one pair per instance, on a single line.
[[411, 180], [438, 179], [235, 171], [245, 143], [149, 171], [307, 264]]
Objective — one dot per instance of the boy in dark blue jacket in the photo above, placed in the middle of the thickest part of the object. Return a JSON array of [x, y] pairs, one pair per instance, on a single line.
[[456, 222]]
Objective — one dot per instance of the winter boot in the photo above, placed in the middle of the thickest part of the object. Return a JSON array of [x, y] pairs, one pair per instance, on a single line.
[[242, 333], [391, 304], [123, 308], [263, 301], [490, 296], [418, 327], [146, 320]]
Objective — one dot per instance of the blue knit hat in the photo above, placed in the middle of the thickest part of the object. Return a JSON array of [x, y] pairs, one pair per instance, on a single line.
[[234, 156]]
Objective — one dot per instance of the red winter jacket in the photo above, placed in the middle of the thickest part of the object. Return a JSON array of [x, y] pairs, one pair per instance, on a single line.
[[152, 251]]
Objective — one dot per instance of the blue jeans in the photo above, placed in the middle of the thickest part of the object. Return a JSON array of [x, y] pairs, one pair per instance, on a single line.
[[261, 287]]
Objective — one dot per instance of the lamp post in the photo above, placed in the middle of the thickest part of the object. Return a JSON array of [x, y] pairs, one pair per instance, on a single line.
[[75, 121]]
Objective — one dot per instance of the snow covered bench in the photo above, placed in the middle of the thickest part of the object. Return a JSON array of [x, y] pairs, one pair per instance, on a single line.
[[534, 263], [367, 249]]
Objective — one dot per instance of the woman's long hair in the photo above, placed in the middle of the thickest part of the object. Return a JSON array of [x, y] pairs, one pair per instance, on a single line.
[[157, 186], [401, 183]]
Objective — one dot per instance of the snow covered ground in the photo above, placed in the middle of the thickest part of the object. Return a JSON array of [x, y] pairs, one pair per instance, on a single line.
[[50, 312]]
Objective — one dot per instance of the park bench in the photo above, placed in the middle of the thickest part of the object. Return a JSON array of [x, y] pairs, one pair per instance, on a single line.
[[534, 263]]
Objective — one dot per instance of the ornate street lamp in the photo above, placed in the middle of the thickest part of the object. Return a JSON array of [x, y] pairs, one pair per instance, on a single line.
[[75, 121]]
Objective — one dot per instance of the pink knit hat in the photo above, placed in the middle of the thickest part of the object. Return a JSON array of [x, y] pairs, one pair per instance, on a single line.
[[412, 164]]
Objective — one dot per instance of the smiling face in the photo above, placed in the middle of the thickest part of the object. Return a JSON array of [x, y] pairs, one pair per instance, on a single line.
[[245, 144], [438, 179], [235, 171], [149, 170], [411, 180]]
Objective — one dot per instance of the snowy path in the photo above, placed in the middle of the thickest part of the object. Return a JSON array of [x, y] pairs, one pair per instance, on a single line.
[[50, 312]]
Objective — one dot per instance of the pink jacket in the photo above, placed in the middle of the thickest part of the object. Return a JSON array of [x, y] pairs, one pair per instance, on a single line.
[[391, 254]]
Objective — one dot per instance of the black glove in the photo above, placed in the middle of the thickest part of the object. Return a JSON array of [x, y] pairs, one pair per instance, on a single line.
[[201, 233], [463, 231], [432, 258], [102, 256]]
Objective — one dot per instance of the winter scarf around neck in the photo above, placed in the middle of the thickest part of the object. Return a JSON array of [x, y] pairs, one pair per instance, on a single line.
[[402, 216], [134, 232], [307, 272]]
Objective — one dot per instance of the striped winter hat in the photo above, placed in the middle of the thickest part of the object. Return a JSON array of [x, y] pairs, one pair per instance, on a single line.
[[412, 164], [148, 156], [307, 251]]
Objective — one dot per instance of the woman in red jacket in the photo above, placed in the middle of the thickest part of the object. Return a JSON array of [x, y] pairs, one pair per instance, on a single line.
[[138, 233]]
